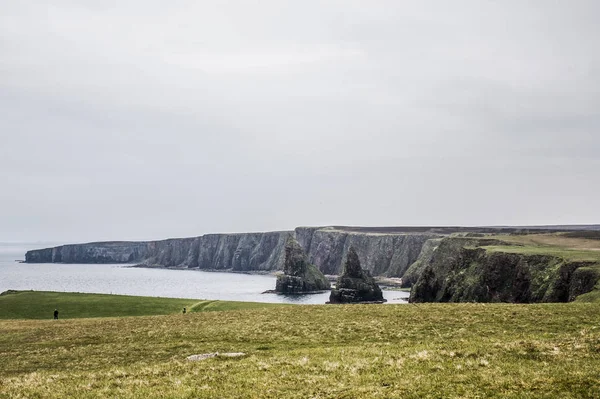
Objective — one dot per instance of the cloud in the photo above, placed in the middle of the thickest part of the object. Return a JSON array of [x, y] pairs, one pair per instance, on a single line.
[[145, 119]]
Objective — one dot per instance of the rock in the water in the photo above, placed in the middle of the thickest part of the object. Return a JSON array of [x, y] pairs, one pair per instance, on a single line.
[[355, 284], [299, 276]]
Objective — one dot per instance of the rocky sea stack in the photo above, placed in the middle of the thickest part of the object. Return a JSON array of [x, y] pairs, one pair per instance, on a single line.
[[355, 285], [299, 276]]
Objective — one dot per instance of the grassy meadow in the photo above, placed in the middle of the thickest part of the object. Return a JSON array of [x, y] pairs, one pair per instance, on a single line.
[[320, 351], [555, 244], [41, 305]]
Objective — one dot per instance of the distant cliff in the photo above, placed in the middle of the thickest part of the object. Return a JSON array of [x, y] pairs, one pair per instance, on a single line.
[[441, 264], [384, 253], [234, 252]]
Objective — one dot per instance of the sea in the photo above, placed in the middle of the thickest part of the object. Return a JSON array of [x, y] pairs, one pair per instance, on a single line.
[[123, 279]]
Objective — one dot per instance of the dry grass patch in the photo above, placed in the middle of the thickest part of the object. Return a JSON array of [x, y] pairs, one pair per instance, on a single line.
[[433, 350]]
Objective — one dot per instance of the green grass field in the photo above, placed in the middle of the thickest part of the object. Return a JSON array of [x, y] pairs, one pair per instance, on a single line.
[[556, 244], [322, 351], [41, 305]]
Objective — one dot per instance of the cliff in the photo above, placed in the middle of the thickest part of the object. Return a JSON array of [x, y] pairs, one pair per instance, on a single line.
[[441, 264], [383, 253], [415, 270], [488, 270], [236, 252], [99, 252]]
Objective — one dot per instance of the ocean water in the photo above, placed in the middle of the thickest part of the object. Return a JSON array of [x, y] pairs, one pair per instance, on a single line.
[[126, 280]]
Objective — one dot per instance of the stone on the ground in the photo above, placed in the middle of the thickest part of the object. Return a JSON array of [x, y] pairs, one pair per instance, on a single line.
[[204, 356]]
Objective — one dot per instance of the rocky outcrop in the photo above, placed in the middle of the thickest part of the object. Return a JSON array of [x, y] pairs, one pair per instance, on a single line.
[[355, 285], [463, 270], [416, 269], [299, 276]]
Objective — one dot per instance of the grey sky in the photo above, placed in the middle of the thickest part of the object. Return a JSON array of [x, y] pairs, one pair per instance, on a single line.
[[153, 119]]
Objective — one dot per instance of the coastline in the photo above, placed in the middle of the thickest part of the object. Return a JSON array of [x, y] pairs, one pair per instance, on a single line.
[[249, 272]]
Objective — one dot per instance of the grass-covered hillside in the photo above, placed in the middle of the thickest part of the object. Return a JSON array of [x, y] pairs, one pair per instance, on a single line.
[[41, 305], [325, 351]]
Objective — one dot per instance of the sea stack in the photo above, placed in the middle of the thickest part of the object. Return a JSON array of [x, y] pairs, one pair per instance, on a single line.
[[299, 276], [355, 285]]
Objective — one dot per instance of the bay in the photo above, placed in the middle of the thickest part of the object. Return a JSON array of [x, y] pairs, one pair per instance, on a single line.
[[127, 280]]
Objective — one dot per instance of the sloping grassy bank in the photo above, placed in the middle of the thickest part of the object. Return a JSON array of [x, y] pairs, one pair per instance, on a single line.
[[324, 351], [41, 305]]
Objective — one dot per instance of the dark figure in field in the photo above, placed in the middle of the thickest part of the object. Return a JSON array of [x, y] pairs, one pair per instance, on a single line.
[[55, 314], [183, 310]]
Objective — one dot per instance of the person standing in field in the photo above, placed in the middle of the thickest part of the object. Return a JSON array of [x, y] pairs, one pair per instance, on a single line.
[[55, 314], [183, 310]]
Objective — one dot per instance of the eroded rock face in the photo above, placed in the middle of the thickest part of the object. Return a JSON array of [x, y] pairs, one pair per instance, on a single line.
[[299, 276], [355, 285], [235, 252], [416, 269], [462, 270], [100, 252], [383, 254]]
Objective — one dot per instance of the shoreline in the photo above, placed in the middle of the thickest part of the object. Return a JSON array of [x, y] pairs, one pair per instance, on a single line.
[[389, 283], [250, 272]]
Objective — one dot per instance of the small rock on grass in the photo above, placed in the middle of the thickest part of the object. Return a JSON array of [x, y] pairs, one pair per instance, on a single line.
[[204, 356]]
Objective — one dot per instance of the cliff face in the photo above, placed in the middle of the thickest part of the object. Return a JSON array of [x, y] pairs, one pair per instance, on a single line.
[[388, 254], [463, 270], [237, 252], [101, 252], [415, 270], [383, 254]]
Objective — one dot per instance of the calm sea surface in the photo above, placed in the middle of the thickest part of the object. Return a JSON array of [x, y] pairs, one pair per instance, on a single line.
[[121, 279]]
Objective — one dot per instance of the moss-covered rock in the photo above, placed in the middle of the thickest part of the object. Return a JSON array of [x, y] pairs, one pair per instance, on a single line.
[[463, 270], [416, 269], [585, 280], [299, 276]]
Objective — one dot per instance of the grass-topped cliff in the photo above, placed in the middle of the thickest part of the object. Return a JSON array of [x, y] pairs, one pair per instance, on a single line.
[[322, 351], [548, 267]]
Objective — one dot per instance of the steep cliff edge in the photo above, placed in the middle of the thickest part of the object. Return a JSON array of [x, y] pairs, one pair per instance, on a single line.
[[96, 252], [382, 253], [236, 252], [488, 270], [415, 270]]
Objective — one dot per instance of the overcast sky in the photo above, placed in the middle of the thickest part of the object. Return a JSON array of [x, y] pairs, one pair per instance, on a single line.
[[153, 119]]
